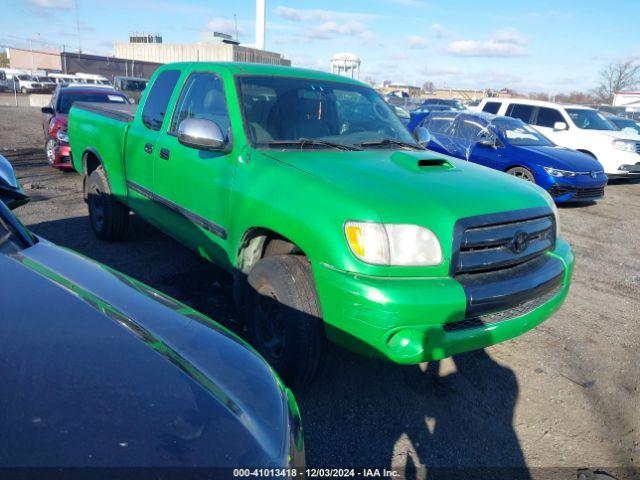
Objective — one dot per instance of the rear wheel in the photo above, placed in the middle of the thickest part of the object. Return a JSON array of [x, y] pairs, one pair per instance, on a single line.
[[109, 218], [523, 173], [23, 90], [284, 318]]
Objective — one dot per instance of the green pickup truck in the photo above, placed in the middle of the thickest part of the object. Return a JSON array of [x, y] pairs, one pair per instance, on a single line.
[[336, 223]]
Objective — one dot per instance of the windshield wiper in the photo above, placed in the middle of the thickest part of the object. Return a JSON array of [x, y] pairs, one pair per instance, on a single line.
[[312, 141], [389, 142]]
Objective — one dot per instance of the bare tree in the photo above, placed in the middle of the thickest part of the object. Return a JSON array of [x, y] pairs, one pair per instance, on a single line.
[[4, 60], [428, 87], [616, 77]]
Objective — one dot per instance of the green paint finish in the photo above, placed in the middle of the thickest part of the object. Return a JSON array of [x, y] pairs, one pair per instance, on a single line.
[[307, 195]]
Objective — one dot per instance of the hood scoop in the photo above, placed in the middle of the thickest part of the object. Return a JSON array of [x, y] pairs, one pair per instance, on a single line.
[[420, 161], [434, 162]]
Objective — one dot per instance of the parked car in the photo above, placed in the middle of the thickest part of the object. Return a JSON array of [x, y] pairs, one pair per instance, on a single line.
[[48, 84], [54, 118], [418, 115], [99, 370], [131, 86], [93, 79], [454, 103], [509, 145], [64, 78], [576, 127], [402, 114], [624, 124], [11, 194], [24, 83], [262, 170]]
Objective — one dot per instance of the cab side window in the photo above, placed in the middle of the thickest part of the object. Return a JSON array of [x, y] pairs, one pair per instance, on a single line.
[[547, 117], [202, 97], [523, 112], [157, 101], [438, 124]]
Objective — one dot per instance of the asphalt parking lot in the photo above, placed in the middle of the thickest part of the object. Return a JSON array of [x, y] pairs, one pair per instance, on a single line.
[[564, 395]]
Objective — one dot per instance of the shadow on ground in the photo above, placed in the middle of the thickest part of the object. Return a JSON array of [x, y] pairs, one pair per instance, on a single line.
[[455, 413]]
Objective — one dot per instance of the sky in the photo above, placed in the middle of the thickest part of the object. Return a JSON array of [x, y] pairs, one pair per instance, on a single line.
[[541, 46]]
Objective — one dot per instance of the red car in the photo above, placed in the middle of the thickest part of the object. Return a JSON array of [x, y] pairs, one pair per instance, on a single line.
[[55, 117]]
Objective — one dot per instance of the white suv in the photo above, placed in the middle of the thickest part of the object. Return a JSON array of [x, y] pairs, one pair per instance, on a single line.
[[577, 127]]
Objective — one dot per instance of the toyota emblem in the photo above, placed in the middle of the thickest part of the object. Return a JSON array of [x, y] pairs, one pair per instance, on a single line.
[[520, 242]]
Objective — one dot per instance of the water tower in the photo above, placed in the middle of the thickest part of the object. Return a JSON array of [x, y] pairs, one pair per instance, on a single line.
[[346, 64]]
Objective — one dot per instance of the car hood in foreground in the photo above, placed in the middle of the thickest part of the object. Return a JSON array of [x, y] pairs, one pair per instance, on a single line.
[[100, 370], [563, 158]]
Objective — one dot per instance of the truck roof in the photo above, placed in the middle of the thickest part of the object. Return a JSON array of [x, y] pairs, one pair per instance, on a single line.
[[240, 68]]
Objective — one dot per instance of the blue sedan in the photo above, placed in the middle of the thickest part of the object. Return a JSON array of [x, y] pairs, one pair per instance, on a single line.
[[510, 145]]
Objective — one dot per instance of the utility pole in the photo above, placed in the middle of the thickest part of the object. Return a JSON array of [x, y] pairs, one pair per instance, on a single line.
[[78, 27]]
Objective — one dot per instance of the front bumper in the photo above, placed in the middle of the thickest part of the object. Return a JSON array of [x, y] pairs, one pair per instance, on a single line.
[[408, 320], [62, 157], [627, 171], [576, 189]]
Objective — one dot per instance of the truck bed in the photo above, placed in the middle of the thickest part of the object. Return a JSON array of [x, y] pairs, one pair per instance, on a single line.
[[123, 112]]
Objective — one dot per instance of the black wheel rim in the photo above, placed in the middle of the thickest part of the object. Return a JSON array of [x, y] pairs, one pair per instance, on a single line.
[[270, 330], [96, 209]]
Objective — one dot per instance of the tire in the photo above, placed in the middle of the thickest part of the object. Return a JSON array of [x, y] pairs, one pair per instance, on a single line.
[[522, 173], [49, 149], [284, 319], [109, 218], [23, 90]]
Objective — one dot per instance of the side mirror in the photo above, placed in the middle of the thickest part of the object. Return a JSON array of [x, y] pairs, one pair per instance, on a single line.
[[47, 110], [560, 126], [422, 136], [489, 142], [201, 134]]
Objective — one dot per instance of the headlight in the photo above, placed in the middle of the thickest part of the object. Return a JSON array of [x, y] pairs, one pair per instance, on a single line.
[[62, 136], [393, 244], [625, 145], [555, 172]]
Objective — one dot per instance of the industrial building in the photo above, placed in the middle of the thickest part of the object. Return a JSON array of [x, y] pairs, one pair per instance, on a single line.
[[213, 47]]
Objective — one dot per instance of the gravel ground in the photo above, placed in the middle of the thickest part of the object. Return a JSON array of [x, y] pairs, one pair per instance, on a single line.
[[563, 396]]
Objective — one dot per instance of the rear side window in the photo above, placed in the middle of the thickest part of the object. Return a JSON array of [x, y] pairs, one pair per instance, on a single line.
[[203, 98], [438, 124], [491, 107], [156, 105], [547, 117], [523, 112], [469, 128]]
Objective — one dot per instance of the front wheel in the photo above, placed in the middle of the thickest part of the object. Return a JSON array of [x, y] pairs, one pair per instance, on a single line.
[[23, 90], [109, 218], [284, 318], [523, 173], [50, 150]]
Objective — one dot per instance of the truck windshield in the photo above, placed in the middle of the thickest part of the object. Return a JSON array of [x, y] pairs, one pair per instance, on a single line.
[[67, 99], [516, 132], [589, 119], [281, 111]]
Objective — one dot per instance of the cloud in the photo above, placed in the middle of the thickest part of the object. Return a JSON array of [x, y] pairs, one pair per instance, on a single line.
[[416, 42], [332, 29], [504, 43], [327, 24], [319, 15], [51, 3], [224, 25]]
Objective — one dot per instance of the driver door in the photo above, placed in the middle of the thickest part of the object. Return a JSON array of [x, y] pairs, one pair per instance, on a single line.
[[195, 184]]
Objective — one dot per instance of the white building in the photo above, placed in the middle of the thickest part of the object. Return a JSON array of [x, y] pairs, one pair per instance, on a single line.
[[346, 64], [630, 100]]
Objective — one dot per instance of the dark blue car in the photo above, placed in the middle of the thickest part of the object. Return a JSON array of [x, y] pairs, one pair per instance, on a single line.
[[422, 112], [510, 145]]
